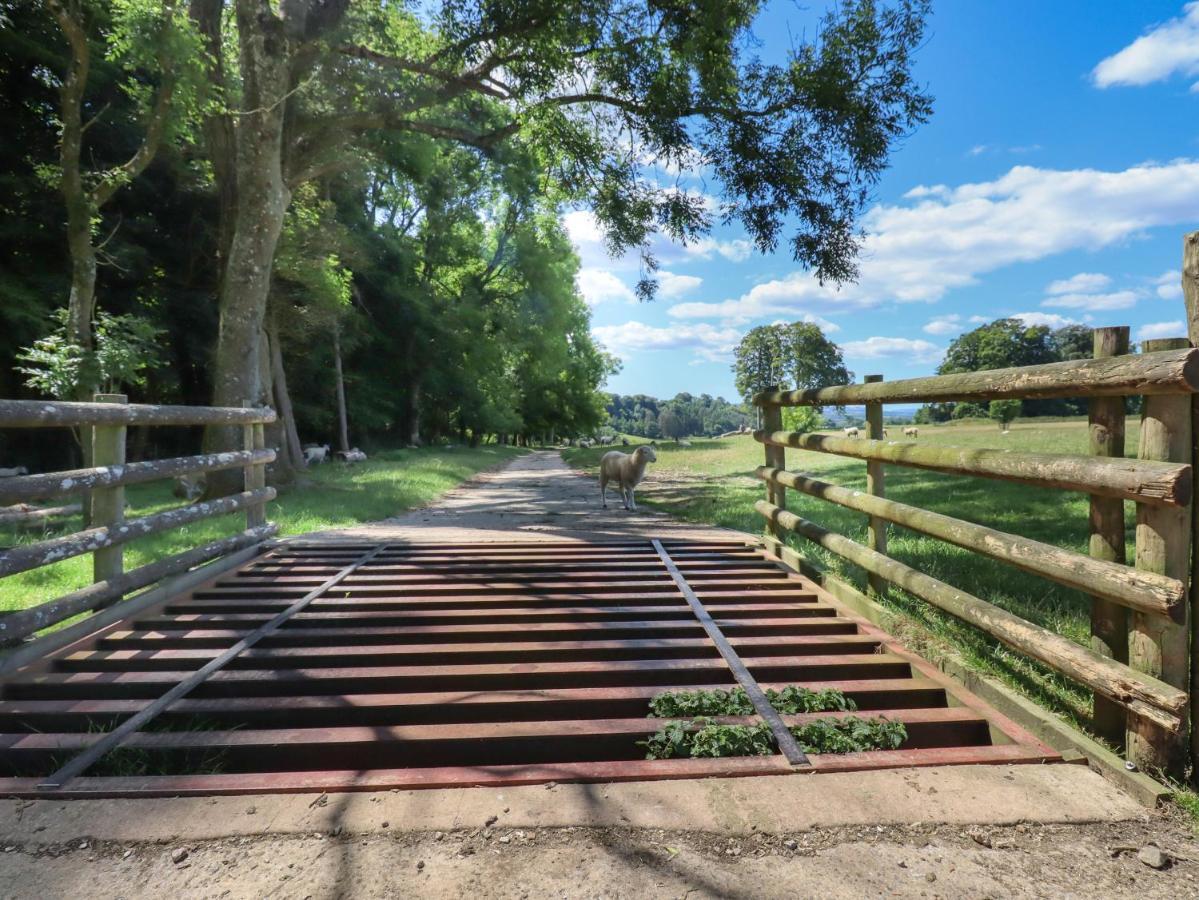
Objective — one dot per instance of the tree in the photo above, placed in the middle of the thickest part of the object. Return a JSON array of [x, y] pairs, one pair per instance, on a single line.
[[802, 418], [759, 362], [1004, 412], [1001, 344], [147, 39], [1073, 342], [811, 358], [319, 79], [672, 425]]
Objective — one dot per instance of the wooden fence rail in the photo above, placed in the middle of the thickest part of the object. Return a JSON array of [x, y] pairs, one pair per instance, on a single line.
[[1139, 664], [105, 422]]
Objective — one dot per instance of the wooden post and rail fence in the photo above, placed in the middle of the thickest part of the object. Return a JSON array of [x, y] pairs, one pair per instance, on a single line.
[[1142, 665], [106, 422]]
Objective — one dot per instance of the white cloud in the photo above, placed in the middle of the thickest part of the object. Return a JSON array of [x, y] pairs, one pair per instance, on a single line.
[[1169, 285], [598, 286], [1161, 330], [1052, 320], [671, 285], [946, 238], [879, 347], [1169, 48], [979, 320], [944, 325], [582, 227], [734, 251], [1082, 283], [1094, 302], [709, 342], [978, 149]]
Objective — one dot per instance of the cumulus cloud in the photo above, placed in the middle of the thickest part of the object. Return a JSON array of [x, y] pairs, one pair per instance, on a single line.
[[599, 285], [951, 324], [709, 342], [1082, 283], [705, 248], [1168, 285], [1052, 320], [671, 286], [882, 347], [1094, 302], [1161, 330], [1169, 48], [945, 238]]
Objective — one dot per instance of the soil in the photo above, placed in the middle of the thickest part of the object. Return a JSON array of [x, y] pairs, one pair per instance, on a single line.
[[911, 861]]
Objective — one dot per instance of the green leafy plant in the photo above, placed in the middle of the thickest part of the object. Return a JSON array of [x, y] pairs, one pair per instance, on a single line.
[[126, 349], [701, 737], [790, 700]]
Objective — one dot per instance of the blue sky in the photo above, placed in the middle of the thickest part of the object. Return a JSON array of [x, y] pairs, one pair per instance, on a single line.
[[1054, 181]]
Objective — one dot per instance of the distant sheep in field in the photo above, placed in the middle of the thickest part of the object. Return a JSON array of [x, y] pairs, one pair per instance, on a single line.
[[13, 472], [353, 456], [584, 443], [684, 443], [911, 432], [851, 432], [626, 470], [606, 440], [316, 454]]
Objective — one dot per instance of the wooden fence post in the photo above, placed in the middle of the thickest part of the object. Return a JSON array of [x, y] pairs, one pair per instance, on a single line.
[[776, 458], [108, 504], [1109, 621], [254, 438], [876, 529], [1190, 295], [1157, 645]]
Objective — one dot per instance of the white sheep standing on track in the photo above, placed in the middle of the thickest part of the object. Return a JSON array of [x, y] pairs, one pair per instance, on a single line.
[[626, 470], [316, 454], [852, 432], [911, 432]]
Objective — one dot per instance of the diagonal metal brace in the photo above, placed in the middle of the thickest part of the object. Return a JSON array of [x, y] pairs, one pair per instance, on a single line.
[[80, 763], [782, 735]]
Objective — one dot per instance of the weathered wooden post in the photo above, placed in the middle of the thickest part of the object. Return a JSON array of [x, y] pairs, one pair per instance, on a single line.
[[1190, 295], [876, 529], [1157, 645], [1109, 621], [776, 458], [108, 504], [254, 438]]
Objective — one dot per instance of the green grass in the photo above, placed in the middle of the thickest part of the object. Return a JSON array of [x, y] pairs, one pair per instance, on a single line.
[[713, 482], [331, 496]]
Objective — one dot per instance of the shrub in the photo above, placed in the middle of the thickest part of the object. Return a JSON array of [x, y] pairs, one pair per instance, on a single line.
[[701, 737], [790, 700]]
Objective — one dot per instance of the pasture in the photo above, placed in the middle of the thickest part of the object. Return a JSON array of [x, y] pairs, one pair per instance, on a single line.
[[333, 495], [713, 482]]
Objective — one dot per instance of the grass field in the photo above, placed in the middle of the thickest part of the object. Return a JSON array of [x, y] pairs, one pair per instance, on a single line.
[[713, 482], [332, 496]]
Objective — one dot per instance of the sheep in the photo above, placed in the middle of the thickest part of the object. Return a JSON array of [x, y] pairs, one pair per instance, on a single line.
[[607, 439], [852, 432], [189, 487], [584, 444], [626, 470], [13, 472], [624, 442], [351, 456], [684, 443], [911, 432], [316, 454]]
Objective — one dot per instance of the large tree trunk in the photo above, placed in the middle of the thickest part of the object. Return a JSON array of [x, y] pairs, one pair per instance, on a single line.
[[414, 411], [343, 429], [262, 200]]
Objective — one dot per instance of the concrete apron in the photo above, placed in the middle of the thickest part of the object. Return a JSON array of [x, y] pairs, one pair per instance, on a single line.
[[963, 795]]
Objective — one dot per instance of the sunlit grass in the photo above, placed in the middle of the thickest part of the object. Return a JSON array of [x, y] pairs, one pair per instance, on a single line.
[[331, 496], [713, 482]]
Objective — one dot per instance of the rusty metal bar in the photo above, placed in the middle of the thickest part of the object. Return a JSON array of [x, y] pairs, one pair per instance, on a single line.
[[786, 740], [113, 739]]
